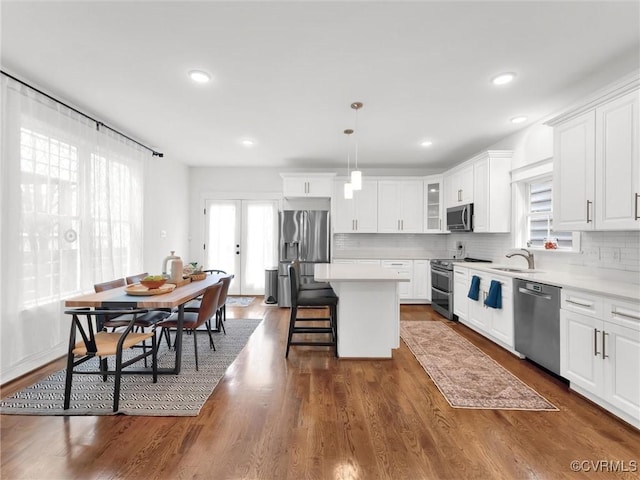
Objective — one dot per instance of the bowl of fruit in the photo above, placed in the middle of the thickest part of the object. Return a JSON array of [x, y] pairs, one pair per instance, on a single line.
[[153, 281]]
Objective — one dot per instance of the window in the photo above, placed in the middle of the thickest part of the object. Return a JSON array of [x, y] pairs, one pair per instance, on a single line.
[[537, 226]]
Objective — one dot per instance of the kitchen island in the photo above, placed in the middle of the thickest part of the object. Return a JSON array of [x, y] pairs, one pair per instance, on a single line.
[[368, 308]]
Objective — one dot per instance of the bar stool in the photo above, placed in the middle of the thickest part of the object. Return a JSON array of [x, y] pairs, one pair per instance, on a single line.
[[312, 298]]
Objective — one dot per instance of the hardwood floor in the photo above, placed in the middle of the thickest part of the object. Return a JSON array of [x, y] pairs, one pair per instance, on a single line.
[[316, 417]]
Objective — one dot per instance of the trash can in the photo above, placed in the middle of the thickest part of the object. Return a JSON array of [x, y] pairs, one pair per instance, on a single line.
[[271, 285]]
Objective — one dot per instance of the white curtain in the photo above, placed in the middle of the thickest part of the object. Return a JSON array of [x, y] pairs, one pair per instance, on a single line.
[[71, 202]]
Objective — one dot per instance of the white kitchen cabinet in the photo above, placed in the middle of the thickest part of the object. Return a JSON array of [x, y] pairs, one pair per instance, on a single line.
[[495, 323], [492, 192], [460, 291], [400, 208], [600, 351], [596, 180], [422, 280], [434, 221], [307, 185], [358, 214], [617, 164], [458, 185], [405, 269]]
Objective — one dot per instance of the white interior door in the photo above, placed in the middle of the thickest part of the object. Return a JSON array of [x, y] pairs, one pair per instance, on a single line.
[[241, 238]]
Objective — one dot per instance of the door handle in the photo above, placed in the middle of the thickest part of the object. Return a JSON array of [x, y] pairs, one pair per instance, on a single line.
[[604, 343], [589, 203], [636, 205], [595, 342]]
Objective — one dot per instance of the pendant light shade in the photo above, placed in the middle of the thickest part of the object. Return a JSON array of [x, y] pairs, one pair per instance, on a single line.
[[348, 191], [356, 179]]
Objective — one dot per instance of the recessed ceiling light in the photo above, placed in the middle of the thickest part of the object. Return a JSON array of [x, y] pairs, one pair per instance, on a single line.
[[503, 78], [247, 142], [199, 76], [426, 143], [518, 119]]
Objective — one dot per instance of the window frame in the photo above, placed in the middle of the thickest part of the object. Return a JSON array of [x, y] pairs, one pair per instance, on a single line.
[[522, 179]]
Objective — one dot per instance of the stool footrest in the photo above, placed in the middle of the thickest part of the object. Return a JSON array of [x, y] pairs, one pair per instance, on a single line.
[[312, 330]]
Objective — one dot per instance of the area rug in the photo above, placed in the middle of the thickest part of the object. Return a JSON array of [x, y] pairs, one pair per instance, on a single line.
[[173, 395], [466, 376], [239, 301]]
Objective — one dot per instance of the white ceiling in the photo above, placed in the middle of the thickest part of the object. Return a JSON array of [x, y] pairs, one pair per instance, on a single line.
[[285, 73]]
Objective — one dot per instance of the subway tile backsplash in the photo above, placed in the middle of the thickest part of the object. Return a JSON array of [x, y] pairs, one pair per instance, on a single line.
[[607, 250]]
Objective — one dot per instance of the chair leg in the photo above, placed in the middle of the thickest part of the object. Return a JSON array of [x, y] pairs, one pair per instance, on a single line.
[[68, 380], [334, 325], [212, 345], [116, 388], [104, 366], [219, 321], [154, 358], [195, 347], [292, 321]]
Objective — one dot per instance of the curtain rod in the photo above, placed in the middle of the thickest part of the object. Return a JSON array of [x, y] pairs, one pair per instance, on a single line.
[[97, 122]]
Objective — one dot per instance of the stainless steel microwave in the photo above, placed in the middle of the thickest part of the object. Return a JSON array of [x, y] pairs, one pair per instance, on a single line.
[[460, 218]]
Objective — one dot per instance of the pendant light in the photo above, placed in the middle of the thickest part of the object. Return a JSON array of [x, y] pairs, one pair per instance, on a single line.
[[356, 175], [348, 188]]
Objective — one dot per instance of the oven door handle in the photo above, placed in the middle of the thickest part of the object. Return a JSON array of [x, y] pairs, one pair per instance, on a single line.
[[443, 273], [441, 291]]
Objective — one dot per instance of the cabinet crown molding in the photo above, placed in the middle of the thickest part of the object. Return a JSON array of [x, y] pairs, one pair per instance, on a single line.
[[612, 91]]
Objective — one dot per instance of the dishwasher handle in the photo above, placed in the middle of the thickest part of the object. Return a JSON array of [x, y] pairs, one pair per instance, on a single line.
[[533, 294]]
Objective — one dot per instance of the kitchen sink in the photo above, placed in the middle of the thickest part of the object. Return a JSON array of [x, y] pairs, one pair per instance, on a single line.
[[515, 270]]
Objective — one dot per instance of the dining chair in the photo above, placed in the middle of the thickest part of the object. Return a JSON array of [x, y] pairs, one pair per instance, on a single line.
[[108, 319], [192, 320], [94, 343], [136, 278], [221, 312], [312, 298]]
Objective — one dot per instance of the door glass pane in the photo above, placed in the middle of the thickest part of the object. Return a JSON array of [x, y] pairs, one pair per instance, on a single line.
[[259, 252], [221, 246]]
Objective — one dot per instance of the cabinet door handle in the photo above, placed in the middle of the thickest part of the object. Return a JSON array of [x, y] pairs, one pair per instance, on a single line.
[[589, 203], [636, 205], [440, 223], [595, 342], [604, 344], [402, 224], [356, 224]]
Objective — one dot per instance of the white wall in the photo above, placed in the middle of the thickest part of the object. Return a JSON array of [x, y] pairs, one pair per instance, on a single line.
[[166, 212]]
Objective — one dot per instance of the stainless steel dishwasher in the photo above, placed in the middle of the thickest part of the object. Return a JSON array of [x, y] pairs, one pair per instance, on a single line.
[[537, 323]]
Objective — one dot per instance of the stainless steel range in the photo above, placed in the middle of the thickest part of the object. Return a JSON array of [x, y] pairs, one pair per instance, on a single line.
[[442, 283]]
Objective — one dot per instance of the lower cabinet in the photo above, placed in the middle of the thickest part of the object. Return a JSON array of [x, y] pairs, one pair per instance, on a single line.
[[494, 323], [417, 289], [600, 351]]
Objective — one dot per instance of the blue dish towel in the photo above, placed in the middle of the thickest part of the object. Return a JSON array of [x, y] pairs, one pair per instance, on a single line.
[[474, 289], [494, 299]]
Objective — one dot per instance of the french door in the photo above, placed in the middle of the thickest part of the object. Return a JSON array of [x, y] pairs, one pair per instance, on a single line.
[[241, 238]]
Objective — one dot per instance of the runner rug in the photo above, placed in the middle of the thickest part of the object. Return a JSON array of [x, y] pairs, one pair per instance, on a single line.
[[173, 395], [466, 376]]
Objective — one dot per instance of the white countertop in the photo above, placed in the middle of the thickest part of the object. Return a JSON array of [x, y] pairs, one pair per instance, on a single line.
[[336, 272], [580, 280]]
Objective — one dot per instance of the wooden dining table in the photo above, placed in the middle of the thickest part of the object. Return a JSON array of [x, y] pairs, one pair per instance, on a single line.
[[120, 299]]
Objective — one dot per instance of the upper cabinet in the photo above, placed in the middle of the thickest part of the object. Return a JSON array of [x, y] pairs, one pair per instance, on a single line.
[[492, 192], [307, 184], [400, 206], [485, 181], [356, 215], [596, 180], [434, 205], [458, 185]]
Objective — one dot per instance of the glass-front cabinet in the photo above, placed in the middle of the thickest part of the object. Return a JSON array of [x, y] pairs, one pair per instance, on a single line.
[[434, 205]]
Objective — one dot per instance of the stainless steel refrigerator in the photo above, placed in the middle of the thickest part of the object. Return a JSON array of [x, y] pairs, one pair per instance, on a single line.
[[303, 235]]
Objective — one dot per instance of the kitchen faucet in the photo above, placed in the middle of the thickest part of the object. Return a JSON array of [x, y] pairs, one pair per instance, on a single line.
[[528, 255]]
